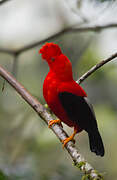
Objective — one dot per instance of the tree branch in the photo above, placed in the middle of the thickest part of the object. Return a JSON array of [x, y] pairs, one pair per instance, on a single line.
[[94, 68], [96, 28], [7, 51], [78, 159], [73, 29]]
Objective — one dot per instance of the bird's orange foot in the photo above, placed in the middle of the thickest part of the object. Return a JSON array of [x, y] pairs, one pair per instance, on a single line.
[[70, 138], [56, 121], [65, 141]]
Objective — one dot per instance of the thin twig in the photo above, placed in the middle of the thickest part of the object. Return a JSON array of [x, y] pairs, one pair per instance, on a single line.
[[3, 1], [94, 68], [78, 159], [3, 85]]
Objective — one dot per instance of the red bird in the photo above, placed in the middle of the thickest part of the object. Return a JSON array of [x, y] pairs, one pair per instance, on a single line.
[[67, 99]]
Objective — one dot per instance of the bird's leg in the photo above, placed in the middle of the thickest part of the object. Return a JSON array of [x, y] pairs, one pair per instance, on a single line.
[[70, 138], [56, 121]]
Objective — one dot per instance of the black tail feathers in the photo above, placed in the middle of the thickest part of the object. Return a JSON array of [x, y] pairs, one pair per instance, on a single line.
[[96, 144]]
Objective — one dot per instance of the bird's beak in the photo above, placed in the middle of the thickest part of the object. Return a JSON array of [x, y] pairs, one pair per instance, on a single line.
[[41, 52]]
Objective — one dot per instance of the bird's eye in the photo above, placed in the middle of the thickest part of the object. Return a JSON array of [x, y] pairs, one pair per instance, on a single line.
[[52, 58]]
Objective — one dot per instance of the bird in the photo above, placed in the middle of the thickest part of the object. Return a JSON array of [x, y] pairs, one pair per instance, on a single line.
[[67, 99]]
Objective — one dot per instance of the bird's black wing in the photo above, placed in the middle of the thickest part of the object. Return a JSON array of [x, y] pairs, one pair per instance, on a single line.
[[79, 110]]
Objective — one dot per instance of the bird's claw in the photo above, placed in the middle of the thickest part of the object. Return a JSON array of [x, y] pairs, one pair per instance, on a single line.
[[56, 121], [65, 141]]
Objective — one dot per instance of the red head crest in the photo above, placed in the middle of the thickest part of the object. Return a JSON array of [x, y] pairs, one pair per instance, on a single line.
[[50, 50]]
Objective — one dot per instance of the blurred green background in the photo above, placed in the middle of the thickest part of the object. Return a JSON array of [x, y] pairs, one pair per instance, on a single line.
[[28, 148]]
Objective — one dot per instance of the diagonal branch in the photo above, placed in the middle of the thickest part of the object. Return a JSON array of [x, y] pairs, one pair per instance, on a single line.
[[94, 68], [78, 159]]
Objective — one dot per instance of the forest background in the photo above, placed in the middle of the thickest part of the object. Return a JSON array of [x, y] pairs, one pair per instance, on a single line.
[[28, 149]]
